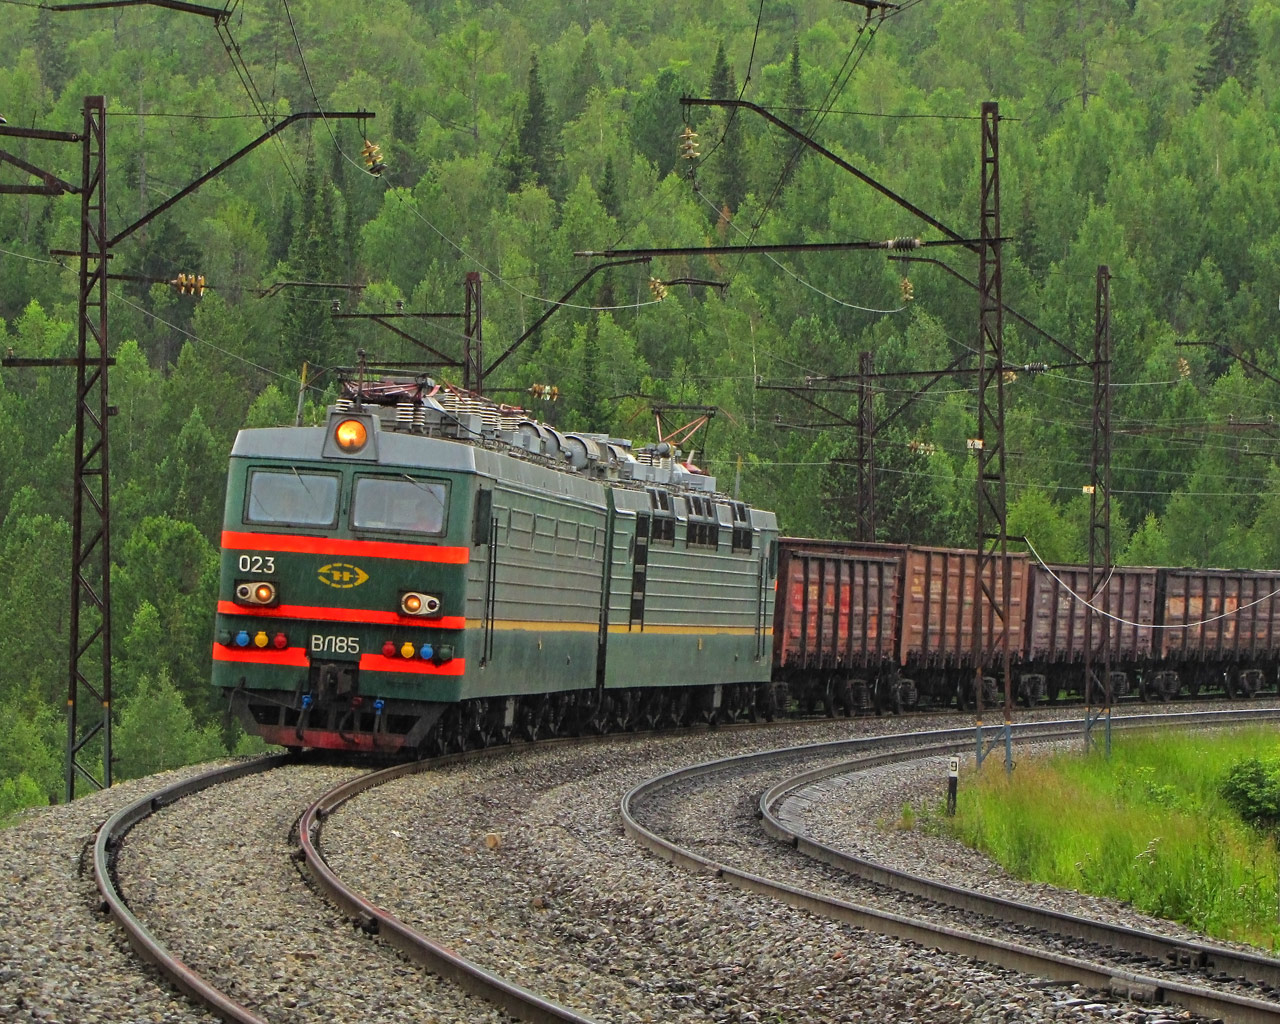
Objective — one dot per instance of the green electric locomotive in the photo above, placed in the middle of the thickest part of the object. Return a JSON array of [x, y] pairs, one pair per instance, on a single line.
[[430, 571]]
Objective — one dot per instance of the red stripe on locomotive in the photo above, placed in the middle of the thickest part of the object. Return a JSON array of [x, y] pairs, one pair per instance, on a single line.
[[234, 540], [381, 663], [356, 616], [291, 657]]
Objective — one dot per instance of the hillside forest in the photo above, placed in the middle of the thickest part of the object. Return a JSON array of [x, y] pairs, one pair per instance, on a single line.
[[1136, 134]]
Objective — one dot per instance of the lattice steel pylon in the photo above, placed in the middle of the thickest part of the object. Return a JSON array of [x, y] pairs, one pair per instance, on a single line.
[[472, 350], [992, 601], [866, 496], [1099, 594], [90, 626]]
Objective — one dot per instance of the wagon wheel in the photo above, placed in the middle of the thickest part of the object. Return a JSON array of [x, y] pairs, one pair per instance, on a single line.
[[597, 715], [732, 710], [482, 734], [449, 735], [780, 696], [561, 718], [764, 705], [828, 701], [844, 698], [624, 711], [652, 708], [530, 718], [488, 725], [678, 708], [499, 732]]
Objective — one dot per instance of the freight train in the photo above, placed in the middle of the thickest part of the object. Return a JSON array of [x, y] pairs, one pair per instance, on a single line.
[[430, 571], [862, 626]]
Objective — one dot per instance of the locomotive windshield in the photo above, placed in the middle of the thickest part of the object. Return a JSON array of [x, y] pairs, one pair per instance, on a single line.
[[399, 503], [289, 498]]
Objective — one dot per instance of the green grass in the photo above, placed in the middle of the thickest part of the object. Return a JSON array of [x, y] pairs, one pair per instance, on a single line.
[[1147, 826]]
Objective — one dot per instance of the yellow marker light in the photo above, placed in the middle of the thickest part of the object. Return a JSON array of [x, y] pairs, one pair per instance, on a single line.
[[407, 651], [351, 435], [260, 640]]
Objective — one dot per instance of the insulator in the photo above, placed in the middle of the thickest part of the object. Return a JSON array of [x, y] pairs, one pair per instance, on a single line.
[[373, 157], [903, 243], [908, 290], [688, 145], [658, 288]]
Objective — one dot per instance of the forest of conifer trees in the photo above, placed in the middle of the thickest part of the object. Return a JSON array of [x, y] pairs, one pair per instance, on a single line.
[[1138, 134]]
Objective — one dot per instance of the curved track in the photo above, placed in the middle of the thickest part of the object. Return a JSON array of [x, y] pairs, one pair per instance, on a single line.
[[517, 1002], [435, 956], [1113, 950], [141, 938]]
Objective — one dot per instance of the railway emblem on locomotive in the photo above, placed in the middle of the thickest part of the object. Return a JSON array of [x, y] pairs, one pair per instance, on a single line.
[[342, 575]]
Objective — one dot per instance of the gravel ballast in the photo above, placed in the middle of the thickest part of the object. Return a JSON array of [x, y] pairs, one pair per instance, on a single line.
[[517, 861]]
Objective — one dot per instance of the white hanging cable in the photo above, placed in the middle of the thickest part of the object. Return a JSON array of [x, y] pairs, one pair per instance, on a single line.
[[1129, 622]]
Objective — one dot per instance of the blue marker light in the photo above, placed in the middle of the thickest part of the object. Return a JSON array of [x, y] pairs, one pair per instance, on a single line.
[[426, 651], [242, 638], [378, 705]]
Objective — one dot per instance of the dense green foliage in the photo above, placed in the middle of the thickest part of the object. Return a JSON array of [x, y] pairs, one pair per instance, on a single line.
[[1252, 789], [1139, 134], [1157, 824]]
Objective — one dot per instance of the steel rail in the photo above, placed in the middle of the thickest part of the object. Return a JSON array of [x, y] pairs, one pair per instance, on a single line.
[[1196, 954], [112, 832], [1015, 956], [436, 957], [145, 944]]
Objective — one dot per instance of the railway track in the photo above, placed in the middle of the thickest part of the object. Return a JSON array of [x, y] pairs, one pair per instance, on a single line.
[[1208, 979], [269, 979], [299, 959]]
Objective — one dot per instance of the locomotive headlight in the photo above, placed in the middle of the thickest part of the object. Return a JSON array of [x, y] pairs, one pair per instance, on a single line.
[[422, 605], [261, 593], [351, 435]]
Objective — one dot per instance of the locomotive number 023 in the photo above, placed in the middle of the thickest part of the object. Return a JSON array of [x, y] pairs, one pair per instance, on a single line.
[[257, 563], [334, 644]]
